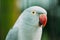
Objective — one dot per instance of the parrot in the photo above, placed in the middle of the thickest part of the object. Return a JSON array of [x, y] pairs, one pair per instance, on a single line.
[[29, 25]]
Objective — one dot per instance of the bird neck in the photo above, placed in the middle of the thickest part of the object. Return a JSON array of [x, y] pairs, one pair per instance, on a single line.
[[37, 35], [27, 31], [30, 33]]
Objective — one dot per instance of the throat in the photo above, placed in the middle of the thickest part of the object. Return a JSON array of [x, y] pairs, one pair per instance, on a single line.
[[37, 35], [27, 32]]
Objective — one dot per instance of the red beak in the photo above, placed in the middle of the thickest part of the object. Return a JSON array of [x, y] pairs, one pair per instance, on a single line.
[[43, 19]]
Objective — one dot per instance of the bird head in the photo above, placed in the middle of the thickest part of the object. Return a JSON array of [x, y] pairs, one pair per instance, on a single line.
[[36, 16]]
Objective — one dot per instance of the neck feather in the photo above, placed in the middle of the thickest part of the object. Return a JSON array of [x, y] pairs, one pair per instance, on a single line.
[[30, 33]]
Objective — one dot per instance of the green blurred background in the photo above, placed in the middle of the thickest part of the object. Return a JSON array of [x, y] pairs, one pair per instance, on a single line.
[[8, 16], [11, 9]]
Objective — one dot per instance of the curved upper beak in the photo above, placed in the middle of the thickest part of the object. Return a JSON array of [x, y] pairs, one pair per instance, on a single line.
[[43, 19]]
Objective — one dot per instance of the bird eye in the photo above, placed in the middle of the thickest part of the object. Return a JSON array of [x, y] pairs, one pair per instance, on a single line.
[[33, 12]]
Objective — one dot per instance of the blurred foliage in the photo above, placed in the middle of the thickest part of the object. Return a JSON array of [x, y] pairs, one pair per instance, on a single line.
[[8, 16]]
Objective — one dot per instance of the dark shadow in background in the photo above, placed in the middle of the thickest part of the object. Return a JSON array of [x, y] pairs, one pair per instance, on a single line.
[[53, 24]]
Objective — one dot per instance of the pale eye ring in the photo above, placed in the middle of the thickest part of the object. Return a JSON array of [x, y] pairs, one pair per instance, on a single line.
[[33, 12]]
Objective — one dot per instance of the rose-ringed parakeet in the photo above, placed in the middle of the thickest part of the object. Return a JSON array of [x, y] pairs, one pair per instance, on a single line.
[[29, 24]]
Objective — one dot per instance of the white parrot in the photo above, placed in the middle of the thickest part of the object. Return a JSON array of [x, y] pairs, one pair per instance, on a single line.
[[29, 24]]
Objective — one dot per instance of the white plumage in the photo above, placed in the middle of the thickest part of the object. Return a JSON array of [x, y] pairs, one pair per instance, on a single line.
[[27, 25]]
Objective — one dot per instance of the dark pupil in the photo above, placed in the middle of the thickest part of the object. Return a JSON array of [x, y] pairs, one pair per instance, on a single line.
[[33, 12]]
